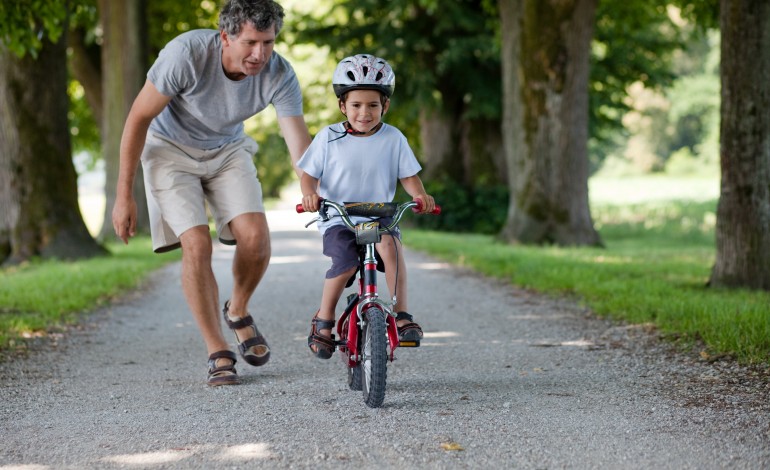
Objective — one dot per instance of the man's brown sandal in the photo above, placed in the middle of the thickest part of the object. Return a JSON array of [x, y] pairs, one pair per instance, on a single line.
[[245, 347], [222, 375], [324, 345]]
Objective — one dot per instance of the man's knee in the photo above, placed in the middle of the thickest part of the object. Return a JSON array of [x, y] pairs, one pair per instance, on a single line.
[[196, 244], [252, 240]]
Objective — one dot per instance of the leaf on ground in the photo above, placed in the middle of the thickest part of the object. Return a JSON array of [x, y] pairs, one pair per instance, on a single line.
[[451, 446]]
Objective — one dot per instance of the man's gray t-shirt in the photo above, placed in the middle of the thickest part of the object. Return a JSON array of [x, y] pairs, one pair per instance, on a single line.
[[208, 109]]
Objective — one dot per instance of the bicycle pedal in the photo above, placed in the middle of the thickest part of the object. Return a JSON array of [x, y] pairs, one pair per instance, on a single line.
[[409, 344]]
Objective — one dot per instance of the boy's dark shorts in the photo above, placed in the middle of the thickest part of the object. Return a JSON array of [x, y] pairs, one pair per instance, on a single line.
[[339, 244]]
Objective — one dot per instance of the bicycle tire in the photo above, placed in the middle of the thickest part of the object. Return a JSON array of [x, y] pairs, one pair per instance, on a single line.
[[374, 357], [354, 378]]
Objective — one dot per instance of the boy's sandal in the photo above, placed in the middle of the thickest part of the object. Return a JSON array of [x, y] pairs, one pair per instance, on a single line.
[[245, 347], [222, 375], [324, 345], [409, 331]]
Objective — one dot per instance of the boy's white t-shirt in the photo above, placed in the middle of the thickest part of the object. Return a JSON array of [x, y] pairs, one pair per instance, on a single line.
[[358, 169]]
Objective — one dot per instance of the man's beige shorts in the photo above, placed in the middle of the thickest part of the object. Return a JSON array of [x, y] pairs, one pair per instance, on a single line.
[[179, 180]]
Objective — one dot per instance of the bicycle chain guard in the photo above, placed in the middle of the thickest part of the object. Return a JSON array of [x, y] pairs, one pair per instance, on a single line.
[[368, 232]]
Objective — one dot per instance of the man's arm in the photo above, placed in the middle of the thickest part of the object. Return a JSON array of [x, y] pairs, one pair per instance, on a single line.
[[148, 104], [297, 138]]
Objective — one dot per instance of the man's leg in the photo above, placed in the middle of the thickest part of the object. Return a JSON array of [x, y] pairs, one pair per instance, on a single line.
[[252, 255], [200, 286]]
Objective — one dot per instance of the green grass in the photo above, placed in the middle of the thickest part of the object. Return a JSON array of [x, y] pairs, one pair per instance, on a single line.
[[44, 296], [654, 269]]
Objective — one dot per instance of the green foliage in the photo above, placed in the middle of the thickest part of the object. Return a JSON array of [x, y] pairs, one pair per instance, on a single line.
[[25, 24], [676, 129], [43, 296], [695, 103], [273, 166], [653, 270], [479, 210], [83, 127], [703, 13], [170, 18], [634, 41]]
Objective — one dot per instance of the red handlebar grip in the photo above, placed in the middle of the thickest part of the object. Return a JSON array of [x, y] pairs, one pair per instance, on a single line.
[[418, 208], [300, 209]]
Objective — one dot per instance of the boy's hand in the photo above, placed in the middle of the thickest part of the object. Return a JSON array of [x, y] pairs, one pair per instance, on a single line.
[[428, 204], [310, 202]]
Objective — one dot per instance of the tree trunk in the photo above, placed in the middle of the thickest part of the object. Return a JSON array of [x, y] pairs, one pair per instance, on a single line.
[[40, 212], [546, 50], [743, 214], [468, 152], [85, 63], [9, 151], [124, 65]]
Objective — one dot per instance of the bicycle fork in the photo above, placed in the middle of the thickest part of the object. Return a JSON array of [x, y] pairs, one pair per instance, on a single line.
[[368, 297]]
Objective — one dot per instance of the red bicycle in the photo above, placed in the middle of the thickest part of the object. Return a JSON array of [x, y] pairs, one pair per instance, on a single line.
[[367, 331]]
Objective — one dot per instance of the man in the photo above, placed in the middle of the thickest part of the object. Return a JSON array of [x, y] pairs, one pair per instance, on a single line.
[[186, 126]]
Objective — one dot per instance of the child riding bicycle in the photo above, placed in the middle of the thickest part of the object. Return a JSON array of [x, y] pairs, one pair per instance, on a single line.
[[360, 160]]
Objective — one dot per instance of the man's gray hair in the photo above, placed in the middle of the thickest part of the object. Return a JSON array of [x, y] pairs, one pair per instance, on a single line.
[[262, 14]]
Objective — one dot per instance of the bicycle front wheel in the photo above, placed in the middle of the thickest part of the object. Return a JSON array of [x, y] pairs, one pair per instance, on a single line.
[[374, 357]]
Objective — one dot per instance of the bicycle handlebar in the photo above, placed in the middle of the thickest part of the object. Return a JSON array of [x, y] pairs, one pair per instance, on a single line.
[[341, 209]]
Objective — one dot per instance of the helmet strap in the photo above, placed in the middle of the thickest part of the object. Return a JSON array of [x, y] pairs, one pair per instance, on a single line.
[[350, 130]]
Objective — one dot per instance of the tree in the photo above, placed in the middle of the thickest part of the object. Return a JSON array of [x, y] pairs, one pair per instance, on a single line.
[[40, 213], [743, 213], [545, 53], [124, 64]]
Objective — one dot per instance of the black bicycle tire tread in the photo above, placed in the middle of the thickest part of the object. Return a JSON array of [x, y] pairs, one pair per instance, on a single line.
[[373, 387]]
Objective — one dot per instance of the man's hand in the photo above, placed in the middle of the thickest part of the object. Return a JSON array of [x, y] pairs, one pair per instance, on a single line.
[[124, 218]]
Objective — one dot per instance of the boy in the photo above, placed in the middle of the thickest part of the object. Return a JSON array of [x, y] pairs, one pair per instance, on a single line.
[[360, 159]]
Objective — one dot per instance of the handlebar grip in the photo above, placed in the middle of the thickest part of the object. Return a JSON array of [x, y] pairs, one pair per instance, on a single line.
[[301, 210], [436, 209]]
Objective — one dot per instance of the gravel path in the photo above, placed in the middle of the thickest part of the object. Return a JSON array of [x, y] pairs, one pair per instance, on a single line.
[[504, 379]]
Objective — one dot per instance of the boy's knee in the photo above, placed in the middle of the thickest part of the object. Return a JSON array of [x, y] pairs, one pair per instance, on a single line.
[[388, 250]]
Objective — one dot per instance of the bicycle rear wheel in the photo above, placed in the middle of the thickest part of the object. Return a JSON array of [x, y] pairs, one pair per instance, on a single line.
[[374, 360], [354, 378]]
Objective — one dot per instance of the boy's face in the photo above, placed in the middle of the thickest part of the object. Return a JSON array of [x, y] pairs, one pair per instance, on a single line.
[[364, 110]]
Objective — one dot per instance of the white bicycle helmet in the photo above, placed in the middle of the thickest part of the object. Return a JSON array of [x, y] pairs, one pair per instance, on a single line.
[[363, 72]]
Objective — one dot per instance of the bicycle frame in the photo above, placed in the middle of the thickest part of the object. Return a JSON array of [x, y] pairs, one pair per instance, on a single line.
[[348, 326]]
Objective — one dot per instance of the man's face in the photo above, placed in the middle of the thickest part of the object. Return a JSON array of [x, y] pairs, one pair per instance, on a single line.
[[248, 53]]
